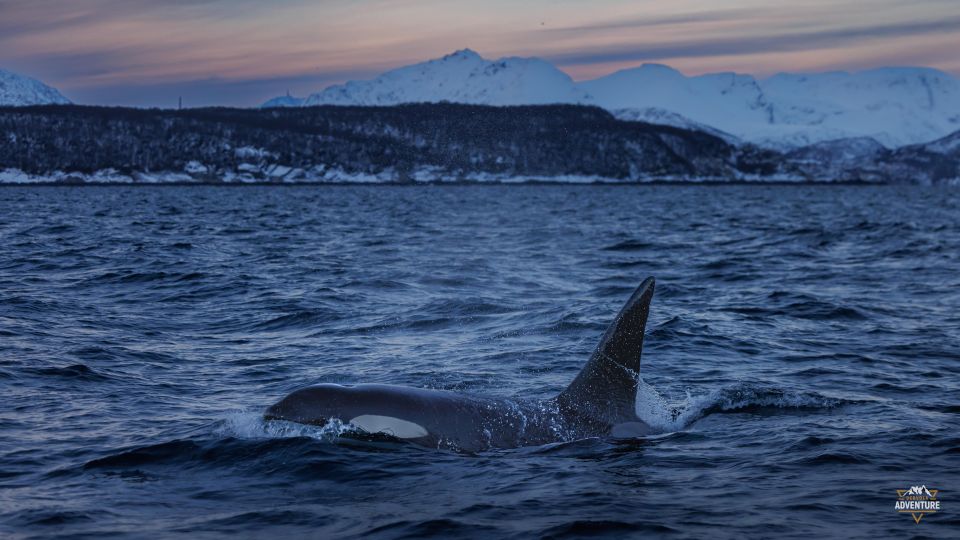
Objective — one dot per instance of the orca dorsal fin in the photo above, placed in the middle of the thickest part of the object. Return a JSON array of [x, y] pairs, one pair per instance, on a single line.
[[606, 387]]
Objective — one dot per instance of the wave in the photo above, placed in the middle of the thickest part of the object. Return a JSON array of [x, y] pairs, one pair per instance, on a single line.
[[56, 517], [629, 245], [663, 417], [432, 528], [801, 306], [245, 440], [80, 372], [122, 277], [300, 319], [156, 453], [831, 458], [580, 528]]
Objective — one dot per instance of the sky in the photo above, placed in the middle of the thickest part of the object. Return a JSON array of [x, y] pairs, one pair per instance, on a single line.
[[242, 52]]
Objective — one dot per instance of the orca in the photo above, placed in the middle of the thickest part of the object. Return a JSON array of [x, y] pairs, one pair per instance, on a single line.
[[599, 402]]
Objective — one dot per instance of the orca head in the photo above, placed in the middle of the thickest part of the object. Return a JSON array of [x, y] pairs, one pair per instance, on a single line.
[[372, 409], [605, 390], [314, 405]]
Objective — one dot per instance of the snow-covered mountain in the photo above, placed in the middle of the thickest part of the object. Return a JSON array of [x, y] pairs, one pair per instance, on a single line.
[[18, 90], [895, 106], [461, 77], [726, 101]]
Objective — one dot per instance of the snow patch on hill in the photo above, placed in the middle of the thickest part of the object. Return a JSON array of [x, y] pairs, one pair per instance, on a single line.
[[663, 117], [283, 101], [17, 90], [947, 145]]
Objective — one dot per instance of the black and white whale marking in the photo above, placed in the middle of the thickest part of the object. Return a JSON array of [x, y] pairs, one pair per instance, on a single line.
[[599, 402]]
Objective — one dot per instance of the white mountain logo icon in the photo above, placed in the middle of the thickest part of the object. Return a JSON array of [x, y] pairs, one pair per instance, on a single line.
[[917, 501]]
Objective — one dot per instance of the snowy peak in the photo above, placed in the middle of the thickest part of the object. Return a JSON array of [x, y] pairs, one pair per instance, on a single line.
[[653, 85], [649, 72], [463, 77], [18, 90], [463, 54]]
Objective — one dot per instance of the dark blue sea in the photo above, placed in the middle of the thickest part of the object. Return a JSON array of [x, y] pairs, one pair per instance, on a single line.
[[802, 361]]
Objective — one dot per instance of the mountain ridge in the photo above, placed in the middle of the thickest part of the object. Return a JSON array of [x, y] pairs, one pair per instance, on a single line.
[[461, 77], [897, 106]]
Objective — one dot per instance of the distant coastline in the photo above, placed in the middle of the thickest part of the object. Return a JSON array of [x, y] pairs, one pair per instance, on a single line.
[[422, 143]]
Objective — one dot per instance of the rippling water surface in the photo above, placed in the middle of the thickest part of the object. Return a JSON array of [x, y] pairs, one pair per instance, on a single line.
[[802, 357]]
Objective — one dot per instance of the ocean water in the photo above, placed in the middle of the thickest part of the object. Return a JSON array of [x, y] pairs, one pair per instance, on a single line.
[[801, 362]]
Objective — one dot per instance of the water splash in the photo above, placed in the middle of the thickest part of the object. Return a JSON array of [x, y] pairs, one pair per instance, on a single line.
[[664, 417], [251, 425]]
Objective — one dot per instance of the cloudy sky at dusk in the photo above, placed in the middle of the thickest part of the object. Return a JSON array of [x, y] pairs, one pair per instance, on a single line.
[[241, 52]]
